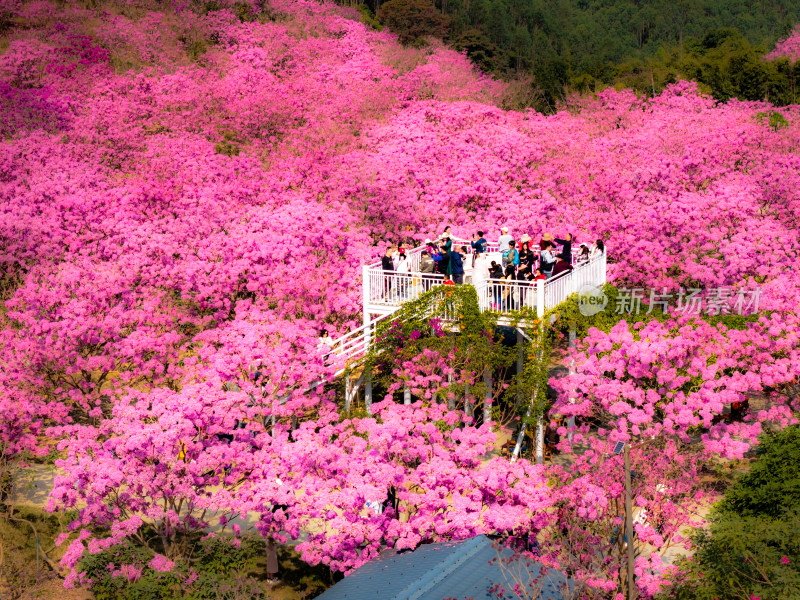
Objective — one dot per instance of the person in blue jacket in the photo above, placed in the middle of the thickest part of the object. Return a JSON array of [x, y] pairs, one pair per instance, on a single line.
[[457, 265]]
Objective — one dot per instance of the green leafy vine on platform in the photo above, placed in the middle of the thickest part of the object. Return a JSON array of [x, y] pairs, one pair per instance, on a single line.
[[471, 341]]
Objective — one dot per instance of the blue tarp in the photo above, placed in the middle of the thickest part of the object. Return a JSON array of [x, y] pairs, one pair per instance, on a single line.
[[467, 569]]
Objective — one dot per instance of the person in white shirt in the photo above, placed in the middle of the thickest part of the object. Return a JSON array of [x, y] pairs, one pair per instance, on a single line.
[[326, 342], [598, 250], [547, 260], [401, 266], [504, 239], [480, 271], [402, 269]]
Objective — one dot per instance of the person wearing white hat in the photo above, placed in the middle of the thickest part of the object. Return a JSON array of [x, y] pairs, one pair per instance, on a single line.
[[504, 239]]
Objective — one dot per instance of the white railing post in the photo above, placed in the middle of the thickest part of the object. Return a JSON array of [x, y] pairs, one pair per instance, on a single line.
[[604, 266], [365, 297], [540, 285]]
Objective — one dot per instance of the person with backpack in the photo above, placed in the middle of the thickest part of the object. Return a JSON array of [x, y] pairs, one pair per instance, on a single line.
[[510, 256], [547, 260], [478, 243]]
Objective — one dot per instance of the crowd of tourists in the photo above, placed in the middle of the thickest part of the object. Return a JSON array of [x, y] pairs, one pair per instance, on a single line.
[[521, 260], [446, 260]]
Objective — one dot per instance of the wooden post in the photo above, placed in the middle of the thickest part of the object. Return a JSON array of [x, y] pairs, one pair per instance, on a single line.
[[629, 522], [348, 385], [406, 394]]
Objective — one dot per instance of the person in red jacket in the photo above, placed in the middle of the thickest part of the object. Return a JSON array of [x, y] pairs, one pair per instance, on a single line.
[[561, 267]]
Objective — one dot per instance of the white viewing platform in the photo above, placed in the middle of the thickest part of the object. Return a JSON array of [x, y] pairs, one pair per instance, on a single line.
[[385, 291]]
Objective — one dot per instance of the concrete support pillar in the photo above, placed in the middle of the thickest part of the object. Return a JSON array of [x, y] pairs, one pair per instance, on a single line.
[[348, 393], [406, 394], [520, 366], [520, 353], [540, 441], [487, 400], [450, 400], [572, 338], [368, 388]]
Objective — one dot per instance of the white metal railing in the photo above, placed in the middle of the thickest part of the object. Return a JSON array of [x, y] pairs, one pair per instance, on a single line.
[[393, 289], [388, 289], [504, 295], [355, 344]]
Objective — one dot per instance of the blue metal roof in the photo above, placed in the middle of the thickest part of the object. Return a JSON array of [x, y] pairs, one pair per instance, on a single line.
[[460, 570]]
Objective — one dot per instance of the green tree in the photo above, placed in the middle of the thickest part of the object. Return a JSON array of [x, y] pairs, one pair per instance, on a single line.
[[413, 20]]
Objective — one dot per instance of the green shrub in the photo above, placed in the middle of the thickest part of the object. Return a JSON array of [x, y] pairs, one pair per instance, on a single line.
[[752, 547], [151, 585], [743, 557], [772, 486], [773, 118], [218, 569]]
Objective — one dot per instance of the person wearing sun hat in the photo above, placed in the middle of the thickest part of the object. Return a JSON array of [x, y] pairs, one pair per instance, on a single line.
[[504, 239]]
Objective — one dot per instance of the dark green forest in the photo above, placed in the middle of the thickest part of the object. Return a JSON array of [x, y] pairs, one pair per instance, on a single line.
[[585, 45]]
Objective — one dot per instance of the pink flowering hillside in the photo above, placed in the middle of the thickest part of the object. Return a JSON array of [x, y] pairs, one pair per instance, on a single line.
[[187, 193]]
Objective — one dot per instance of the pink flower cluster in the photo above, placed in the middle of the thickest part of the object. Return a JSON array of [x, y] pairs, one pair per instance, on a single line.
[[787, 48]]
